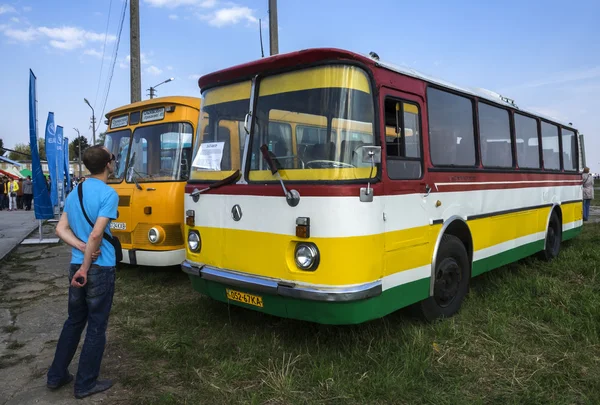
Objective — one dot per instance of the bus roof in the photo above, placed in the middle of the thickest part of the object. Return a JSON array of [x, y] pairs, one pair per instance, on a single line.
[[193, 102], [308, 56]]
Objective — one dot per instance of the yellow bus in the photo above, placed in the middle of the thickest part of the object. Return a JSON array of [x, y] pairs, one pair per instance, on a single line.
[[152, 142]]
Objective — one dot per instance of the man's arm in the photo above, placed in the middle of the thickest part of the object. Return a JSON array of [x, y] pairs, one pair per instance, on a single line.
[[92, 245], [64, 232]]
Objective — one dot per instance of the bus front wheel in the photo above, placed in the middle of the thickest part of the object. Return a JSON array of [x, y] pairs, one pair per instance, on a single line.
[[451, 284]]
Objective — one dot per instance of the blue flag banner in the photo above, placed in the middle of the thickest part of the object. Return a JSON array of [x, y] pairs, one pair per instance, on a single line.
[[41, 199], [67, 174], [60, 166], [51, 157]]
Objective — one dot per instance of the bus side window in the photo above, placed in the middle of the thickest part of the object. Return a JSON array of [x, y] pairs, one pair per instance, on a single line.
[[403, 140], [451, 133]]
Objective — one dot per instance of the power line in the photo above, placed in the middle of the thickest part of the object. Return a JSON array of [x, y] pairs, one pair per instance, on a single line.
[[103, 51], [112, 70]]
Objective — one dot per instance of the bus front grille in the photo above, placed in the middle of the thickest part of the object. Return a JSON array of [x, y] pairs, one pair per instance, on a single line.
[[124, 237], [173, 235]]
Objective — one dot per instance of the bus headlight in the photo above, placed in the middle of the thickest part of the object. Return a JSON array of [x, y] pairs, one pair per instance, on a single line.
[[194, 241], [156, 235], [306, 256]]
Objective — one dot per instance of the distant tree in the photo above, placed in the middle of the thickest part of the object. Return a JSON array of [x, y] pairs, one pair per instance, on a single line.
[[1, 147], [25, 152], [101, 138], [74, 147], [42, 148]]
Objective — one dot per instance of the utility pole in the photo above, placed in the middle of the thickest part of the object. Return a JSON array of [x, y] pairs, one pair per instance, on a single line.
[[273, 31], [79, 143], [134, 51]]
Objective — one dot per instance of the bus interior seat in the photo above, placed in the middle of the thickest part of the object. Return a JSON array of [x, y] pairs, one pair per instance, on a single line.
[[320, 151], [348, 148]]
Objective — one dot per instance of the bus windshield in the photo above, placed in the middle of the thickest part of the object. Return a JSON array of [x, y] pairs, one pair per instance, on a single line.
[[117, 143], [315, 121], [160, 152], [221, 134]]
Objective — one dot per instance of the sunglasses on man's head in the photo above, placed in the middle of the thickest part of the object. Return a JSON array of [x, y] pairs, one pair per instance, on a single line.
[[112, 158]]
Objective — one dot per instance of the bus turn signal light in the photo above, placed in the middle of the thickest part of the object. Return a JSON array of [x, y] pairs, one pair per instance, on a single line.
[[190, 218], [303, 227]]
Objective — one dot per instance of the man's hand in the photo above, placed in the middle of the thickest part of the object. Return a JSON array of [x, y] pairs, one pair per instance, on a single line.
[[79, 278]]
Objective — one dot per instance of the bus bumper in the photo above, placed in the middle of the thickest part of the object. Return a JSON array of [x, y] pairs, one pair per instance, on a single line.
[[153, 257]]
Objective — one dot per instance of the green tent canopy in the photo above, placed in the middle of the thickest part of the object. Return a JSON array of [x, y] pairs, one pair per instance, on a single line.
[[25, 172]]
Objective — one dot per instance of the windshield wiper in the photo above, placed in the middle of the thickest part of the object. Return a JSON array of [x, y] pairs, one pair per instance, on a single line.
[[292, 197], [227, 180]]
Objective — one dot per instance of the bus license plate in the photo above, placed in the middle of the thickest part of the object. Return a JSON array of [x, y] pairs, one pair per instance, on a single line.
[[245, 298], [118, 225]]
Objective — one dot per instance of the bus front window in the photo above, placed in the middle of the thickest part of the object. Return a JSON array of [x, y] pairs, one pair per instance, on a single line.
[[221, 135], [118, 144], [160, 152], [315, 122]]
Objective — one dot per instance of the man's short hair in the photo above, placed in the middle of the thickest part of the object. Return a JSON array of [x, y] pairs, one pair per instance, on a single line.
[[95, 159]]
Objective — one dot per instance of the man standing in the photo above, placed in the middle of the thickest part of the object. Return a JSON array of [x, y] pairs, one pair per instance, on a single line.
[[13, 187], [27, 193], [92, 285], [3, 188], [20, 195]]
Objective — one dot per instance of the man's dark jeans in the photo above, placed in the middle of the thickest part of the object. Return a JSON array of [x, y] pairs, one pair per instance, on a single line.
[[90, 304]]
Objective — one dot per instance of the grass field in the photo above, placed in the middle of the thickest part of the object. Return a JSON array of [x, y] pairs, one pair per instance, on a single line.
[[528, 333]]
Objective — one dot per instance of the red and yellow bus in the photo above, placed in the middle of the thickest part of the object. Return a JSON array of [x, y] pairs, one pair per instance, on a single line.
[[440, 184]]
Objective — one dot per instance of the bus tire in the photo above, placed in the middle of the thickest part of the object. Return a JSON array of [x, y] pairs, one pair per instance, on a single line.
[[553, 238], [451, 284]]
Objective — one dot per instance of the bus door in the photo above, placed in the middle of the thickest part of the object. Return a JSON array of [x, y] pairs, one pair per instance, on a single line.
[[406, 203]]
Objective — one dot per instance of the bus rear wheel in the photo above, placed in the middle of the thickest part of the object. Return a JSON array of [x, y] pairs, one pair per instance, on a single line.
[[451, 284], [553, 238]]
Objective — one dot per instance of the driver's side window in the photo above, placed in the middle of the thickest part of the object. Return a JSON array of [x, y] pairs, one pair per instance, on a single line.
[[403, 139]]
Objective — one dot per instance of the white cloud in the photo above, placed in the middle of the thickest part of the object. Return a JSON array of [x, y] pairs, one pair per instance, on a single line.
[[173, 17], [66, 38], [15, 20], [153, 70], [5, 9], [561, 78], [93, 52], [178, 3], [28, 35], [27, 9], [194, 77], [230, 16], [169, 67]]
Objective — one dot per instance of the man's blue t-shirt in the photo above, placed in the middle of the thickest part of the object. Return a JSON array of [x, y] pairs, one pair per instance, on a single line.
[[99, 200]]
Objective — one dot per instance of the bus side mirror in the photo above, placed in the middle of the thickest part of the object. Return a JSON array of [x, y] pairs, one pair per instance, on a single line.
[[371, 154], [268, 158]]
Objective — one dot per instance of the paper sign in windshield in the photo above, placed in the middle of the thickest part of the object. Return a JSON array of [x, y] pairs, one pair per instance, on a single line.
[[209, 156]]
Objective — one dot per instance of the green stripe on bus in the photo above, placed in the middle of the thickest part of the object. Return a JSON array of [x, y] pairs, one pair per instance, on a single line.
[[333, 313], [512, 255], [506, 257]]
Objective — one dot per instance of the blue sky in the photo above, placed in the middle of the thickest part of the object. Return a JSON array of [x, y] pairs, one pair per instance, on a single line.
[[543, 54]]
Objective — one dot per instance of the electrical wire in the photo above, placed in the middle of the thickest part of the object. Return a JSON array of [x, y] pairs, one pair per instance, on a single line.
[[103, 52], [114, 61]]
